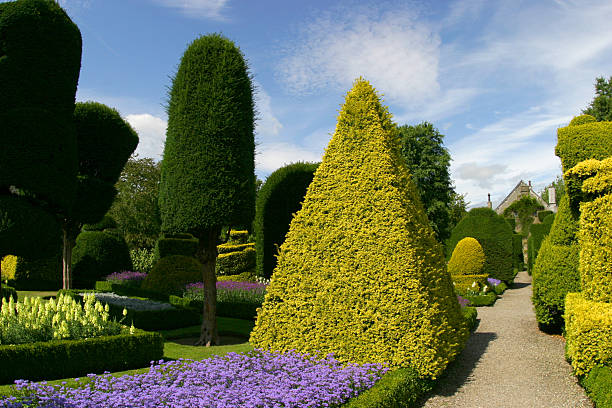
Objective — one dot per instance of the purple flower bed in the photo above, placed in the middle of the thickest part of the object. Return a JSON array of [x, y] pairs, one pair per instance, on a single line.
[[123, 276], [230, 291], [493, 281], [463, 302], [257, 379]]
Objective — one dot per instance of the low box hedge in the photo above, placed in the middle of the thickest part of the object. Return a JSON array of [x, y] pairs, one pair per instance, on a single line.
[[237, 310], [598, 385], [72, 358], [488, 299], [128, 290], [471, 316]]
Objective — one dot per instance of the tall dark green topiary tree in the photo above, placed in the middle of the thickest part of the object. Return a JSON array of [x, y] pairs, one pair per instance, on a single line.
[[428, 162], [207, 174], [40, 57], [105, 142], [279, 199]]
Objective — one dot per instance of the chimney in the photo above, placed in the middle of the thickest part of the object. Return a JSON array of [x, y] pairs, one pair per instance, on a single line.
[[530, 184], [552, 195], [489, 203]]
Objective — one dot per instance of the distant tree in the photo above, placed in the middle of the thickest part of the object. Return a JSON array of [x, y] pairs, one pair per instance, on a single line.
[[601, 106], [135, 208], [457, 209], [428, 161], [525, 210], [208, 169], [559, 186], [105, 141], [39, 71]]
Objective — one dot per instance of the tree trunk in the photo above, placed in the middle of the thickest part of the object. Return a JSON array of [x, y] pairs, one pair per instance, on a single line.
[[70, 233], [207, 255]]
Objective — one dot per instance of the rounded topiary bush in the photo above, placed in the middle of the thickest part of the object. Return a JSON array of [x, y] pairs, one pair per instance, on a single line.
[[97, 254], [582, 119], [468, 258], [171, 273]]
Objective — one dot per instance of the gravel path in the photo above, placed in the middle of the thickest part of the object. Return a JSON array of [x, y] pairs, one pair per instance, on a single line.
[[508, 362]]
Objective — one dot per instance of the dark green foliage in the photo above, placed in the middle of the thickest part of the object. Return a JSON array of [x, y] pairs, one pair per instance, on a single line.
[[96, 255], [565, 226], [559, 186], [512, 223], [428, 161], [481, 300], [235, 263], [171, 273], [37, 274], [176, 244], [152, 320], [549, 219], [399, 388], [135, 207], [237, 310], [458, 209], [71, 358], [40, 55], [482, 212], [280, 197], [525, 209], [494, 235], [601, 106], [543, 214], [7, 292], [500, 289], [598, 383], [207, 174], [517, 250], [105, 223], [537, 233], [471, 315]]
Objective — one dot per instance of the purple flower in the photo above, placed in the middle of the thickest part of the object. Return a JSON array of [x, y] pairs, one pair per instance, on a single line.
[[493, 281], [256, 379], [463, 302], [123, 276]]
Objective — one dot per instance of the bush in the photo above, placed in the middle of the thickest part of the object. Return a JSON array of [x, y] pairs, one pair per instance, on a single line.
[[543, 214], [588, 180], [229, 247], [33, 274], [465, 282], [468, 258], [360, 273], [500, 289], [278, 200], [171, 273], [517, 250], [97, 254], [537, 233], [598, 383], [549, 219], [176, 244], [487, 299], [588, 327], [143, 259], [511, 222], [8, 292], [579, 142], [70, 358], [234, 263], [248, 276], [494, 235], [105, 223], [470, 314], [582, 119]]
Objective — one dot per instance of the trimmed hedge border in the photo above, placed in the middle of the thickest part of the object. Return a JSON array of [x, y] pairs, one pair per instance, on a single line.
[[71, 358], [482, 300], [237, 310], [598, 383]]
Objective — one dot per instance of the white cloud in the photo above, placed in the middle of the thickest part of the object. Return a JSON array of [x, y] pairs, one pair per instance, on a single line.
[[151, 132], [206, 9], [393, 50], [274, 155], [483, 175], [267, 125]]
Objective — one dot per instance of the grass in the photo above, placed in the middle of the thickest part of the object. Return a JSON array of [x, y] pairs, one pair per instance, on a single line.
[[34, 293]]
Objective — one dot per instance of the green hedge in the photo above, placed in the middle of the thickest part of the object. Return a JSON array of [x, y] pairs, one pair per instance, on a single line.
[[175, 244], [511, 222], [470, 314], [234, 263], [229, 247], [71, 358], [33, 274], [399, 388], [500, 289], [537, 233], [517, 250], [280, 197], [8, 291], [237, 310], [598, 383], [494, 235], [576, 143], [481, 300], [543, 214]]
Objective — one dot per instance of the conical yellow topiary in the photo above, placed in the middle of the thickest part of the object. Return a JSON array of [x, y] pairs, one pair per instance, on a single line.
[[360, 273], [468, 258]]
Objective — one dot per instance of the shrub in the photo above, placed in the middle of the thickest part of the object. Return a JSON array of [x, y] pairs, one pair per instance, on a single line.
[[142, 259], [517, 250], [70, 358], [578, 142], [171, 273], [247, 276], [238, 237], [598, 383], [588, 333], [511, 222], [8, 292], [360, 273], [278, 200], [229, 247], [581, 120], [537, 233], [494, 235], [587, 180], [470, 314], [104, 224], [234, 263], [468, 258], [487, 299], [543, 214], [176, 244], [32, 274], [555, 274], [465, 282], [97, 254], [549, 219]]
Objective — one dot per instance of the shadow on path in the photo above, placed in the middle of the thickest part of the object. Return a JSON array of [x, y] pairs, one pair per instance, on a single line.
[[459, 371], [520, 285]]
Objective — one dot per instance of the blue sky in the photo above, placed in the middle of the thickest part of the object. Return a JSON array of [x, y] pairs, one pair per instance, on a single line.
[[497, 78]]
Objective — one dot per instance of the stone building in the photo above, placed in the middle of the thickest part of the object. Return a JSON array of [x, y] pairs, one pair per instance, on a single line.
[[523, 189]]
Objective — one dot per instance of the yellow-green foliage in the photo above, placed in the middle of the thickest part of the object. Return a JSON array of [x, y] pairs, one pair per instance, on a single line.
[[582, 119], [468, 258], [595, 238], [234, 263], [575, 143], [229, 247], [36, 320], [238, 236], [171, 273], [248, 276], [588, 327], [9, 266], [465, 282], [360, 273], [587, 180]]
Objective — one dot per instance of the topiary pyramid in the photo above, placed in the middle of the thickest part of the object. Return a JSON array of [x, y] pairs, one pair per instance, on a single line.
[[360, 273]]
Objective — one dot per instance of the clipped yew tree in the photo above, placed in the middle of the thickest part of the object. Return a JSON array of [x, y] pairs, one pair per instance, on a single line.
[[40, 58], [208, 169], [360, 273], [278, 200]]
